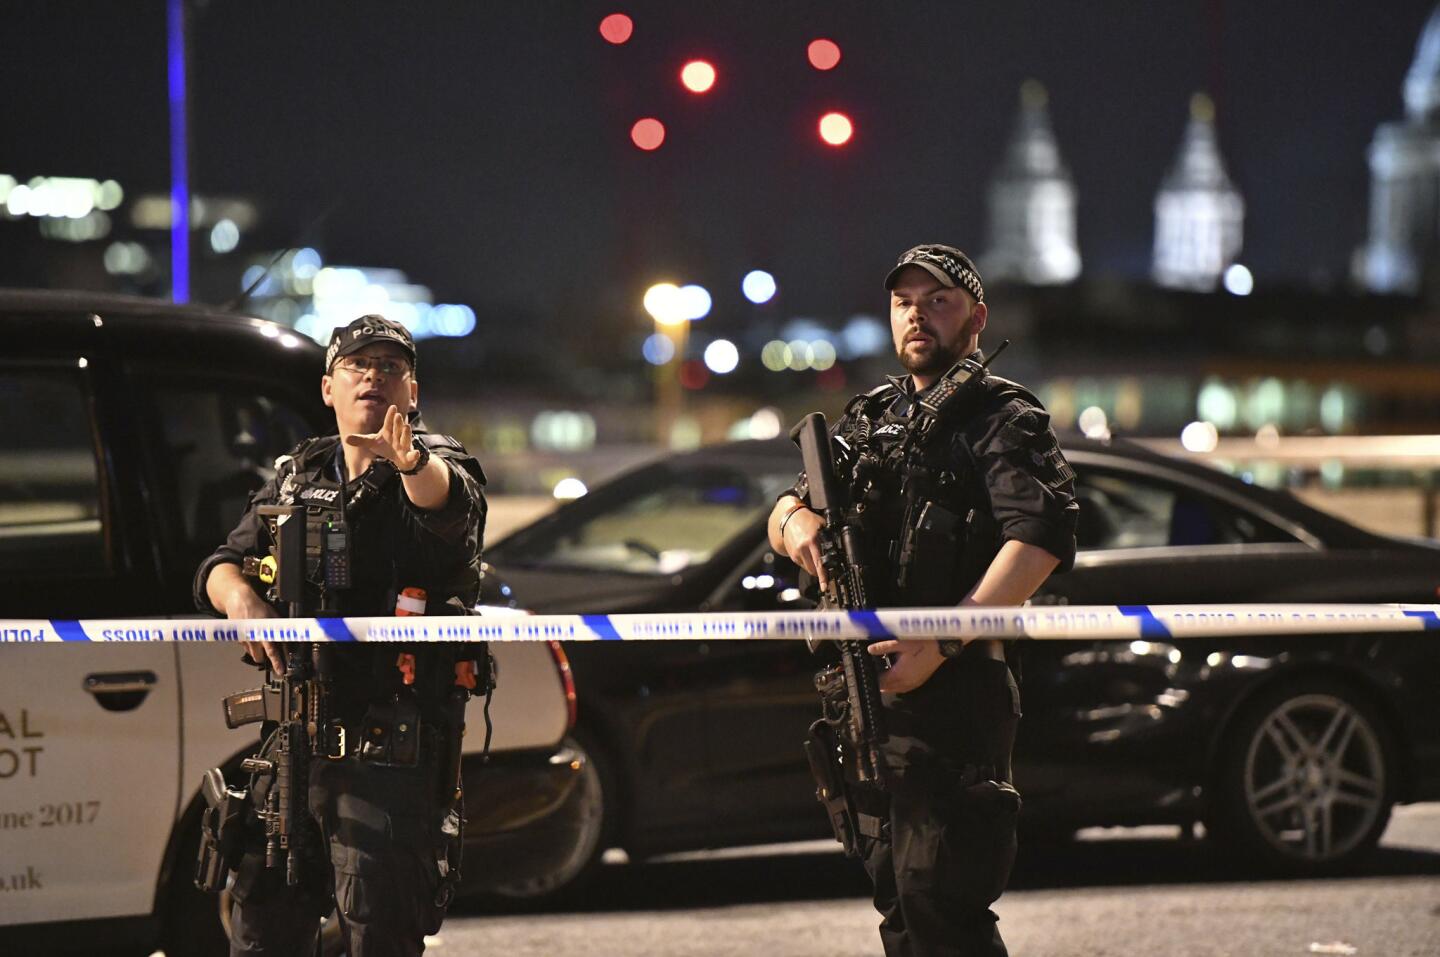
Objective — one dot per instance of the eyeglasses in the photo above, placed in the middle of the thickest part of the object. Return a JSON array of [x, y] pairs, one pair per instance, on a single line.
[[386, 366]]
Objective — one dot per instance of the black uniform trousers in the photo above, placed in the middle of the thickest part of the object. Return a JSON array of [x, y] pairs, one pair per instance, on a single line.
[[951, 841], [377, 842]]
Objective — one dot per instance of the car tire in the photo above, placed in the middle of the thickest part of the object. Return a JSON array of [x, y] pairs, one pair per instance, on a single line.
[[1306, 778], [598, 795]]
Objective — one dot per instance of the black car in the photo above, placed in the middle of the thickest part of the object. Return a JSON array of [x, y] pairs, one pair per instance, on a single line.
[[135, 433], [1294, 748]]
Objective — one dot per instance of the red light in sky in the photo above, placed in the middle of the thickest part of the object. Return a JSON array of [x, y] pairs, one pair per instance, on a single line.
[[698, 76], [693, 374], [648, 133], [824, 54], [617, 28], [836, 129]]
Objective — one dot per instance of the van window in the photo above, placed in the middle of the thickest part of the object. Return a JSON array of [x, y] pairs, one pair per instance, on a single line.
[[220, 446], [50, 516]]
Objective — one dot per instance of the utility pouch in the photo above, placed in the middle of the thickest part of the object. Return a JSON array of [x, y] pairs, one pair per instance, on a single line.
[[930, 577], [391, 733], [821, 749], [220, 831]]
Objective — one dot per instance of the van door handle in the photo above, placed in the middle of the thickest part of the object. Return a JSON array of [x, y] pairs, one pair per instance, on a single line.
[[120, 690]]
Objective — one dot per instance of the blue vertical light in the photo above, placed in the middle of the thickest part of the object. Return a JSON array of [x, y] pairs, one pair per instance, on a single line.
[[179, 158]]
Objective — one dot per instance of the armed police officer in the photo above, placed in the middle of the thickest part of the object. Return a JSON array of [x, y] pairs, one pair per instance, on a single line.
[[393, 517], [961, 495]]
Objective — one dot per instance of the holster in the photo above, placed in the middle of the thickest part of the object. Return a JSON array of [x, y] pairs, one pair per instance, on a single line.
[[221, 823], [822, 750], [390, 733]]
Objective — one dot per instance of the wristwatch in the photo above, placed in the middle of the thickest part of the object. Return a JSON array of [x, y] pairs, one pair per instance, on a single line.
[[951, 647], [420, 463]]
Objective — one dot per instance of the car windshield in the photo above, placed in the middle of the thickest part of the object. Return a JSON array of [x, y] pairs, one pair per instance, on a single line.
[[657, 521]]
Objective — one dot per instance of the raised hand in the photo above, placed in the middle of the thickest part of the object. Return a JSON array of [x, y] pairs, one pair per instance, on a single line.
[[394, 441]]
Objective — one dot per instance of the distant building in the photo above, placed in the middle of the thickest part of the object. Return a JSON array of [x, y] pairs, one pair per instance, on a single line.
[[1199, 214], [1032, 203], [1400, 254]]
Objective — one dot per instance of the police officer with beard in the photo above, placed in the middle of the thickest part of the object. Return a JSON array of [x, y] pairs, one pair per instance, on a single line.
[[938, 838], [383, 830]]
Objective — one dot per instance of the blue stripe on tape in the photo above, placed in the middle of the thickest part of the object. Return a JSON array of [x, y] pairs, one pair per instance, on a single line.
[[600, 624], [69, 630], [1150, 626], [1430, 618], [871, 623], [335, 629]]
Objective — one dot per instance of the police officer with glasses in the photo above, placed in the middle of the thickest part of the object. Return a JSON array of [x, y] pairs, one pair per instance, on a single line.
[[394, 516]]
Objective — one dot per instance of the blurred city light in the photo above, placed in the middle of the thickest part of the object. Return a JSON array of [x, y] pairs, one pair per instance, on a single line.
[[224, 236], [126, 259], [1239, 281], [721, 356], [694, 302], [658, 349], [338, 294], [569, 489], [563, 431], [1093, 423], [822, 355], [664, 303], [775, 356], [798, 355], [93, 225], [864, 336], [765, 423], [823, 54], [1334, 410], [1217, 403], [698, 76], [758, 286], [836, 129], [616, 28], [648, 133], [1199, 437]]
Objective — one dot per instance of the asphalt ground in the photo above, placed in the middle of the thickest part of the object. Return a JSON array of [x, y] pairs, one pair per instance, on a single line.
[[1122, 893]]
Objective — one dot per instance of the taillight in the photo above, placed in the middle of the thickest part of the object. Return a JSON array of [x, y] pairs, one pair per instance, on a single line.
[[567, 680]]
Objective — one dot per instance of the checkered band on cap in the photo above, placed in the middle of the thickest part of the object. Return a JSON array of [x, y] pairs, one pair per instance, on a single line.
[[952, 262]]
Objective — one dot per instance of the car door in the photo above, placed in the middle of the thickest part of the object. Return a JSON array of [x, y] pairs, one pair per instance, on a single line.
[[89, 764], [1091, 707], [760, 702]]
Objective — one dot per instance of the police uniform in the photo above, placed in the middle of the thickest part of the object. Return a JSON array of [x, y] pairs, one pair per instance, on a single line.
[[383, 836], [938, 839]]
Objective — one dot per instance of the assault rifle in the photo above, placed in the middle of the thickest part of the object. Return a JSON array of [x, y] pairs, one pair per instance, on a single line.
[[295, 701], [844, 745]]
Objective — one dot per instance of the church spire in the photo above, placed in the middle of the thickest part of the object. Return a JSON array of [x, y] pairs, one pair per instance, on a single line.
[[1402, 251], [1032, 202], [1199, 214]]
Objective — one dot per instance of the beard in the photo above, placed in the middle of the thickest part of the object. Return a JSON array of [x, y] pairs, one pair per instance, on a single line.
[[933, 359]]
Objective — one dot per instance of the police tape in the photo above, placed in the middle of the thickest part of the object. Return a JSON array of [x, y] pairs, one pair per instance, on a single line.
[[1042, 622]]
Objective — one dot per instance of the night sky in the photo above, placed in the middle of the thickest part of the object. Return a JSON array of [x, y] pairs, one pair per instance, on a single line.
[[483, 147]]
